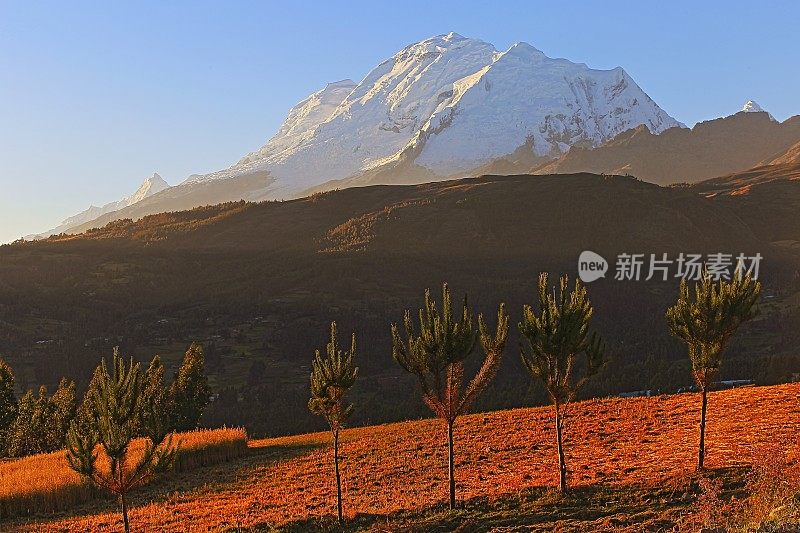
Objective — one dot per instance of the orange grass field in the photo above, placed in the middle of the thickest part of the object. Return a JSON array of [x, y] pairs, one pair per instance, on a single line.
[[45, 483], [641, 442]]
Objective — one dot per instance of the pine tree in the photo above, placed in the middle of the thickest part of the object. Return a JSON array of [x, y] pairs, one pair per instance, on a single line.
[[41, 421], [60, 413], [155, 406], [25, 436], [706, 322], [32, 428], [554, 340], [436, 356], [190, 392], [86, 414], [117, 423], [8, 405], [332, 376]]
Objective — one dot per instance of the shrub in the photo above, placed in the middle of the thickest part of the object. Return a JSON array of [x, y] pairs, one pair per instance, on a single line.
[[771, 502]]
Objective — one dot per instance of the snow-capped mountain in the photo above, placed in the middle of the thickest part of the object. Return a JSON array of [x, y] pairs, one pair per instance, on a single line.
[[443, 107], [303, 118], [456, 104], [751, 106], [152, 185]]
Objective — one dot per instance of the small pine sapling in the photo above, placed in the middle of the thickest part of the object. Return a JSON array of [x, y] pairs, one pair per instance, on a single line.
[[332, 375], [436, 356]]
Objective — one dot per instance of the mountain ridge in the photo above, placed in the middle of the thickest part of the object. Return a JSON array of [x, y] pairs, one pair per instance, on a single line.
[[440, 108], [422, 92], [709, 149], [149, 187]]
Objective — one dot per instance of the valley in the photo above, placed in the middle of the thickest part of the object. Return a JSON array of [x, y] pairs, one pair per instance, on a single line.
[[395, 280], [257, 284]]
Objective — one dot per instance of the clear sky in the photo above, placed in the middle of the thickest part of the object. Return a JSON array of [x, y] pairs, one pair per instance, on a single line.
[[96, 96]]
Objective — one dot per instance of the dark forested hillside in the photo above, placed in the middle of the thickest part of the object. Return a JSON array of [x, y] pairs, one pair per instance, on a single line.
[[258, 284], [768, 197]]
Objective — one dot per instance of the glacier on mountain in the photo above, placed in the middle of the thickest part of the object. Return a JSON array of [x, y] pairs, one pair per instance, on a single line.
[[456, 103]]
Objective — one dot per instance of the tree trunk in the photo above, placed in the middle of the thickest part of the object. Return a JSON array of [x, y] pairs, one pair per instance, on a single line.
[[702, 453], [125, 513], [338, 476], [451, 464], [562, 463]]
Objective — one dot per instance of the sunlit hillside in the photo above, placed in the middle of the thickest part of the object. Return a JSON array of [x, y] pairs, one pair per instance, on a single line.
[[631, 462]]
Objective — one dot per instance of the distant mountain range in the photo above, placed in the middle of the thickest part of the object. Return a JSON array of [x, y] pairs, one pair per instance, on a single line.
[[708, 150], [152, 185], [449, 107]]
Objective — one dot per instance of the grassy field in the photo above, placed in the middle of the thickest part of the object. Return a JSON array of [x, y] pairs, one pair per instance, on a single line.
[[631, 463], [44, 483]]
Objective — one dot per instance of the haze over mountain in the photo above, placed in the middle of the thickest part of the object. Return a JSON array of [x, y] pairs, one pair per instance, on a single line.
[[443, 107], [152, 185]]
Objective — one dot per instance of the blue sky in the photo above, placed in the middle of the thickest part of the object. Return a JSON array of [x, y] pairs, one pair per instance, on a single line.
[[96, 96]]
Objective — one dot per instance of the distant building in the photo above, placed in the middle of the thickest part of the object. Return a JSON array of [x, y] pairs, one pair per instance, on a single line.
[[637, 394], [733, 383]]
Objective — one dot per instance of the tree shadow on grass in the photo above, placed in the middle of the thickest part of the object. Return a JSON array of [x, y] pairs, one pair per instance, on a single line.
[[223, 474], [588, 508]]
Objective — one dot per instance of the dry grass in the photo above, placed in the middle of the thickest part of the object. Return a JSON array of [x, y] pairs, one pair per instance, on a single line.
[[45, 483], [206, 447], [40, 482], [768, 501], [613, 446]]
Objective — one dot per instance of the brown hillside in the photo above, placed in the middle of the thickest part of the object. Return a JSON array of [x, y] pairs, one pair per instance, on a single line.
[[394, 473], [767, 196], [710, 149], [260, 283], [790, 156], [713, 148], [562, 213]]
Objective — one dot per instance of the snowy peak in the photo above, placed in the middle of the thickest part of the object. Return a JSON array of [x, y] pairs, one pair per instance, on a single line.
[[358, 128], [303, 119], [152, 185], [450, 104], [526, 51], [526, 99], [433, 45], [751, 106]]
